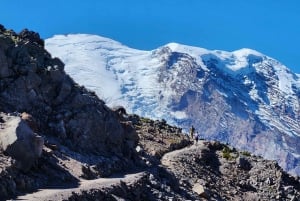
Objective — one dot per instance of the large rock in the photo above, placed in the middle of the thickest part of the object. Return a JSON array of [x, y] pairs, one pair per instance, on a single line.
[[19, 141], [200, 190]]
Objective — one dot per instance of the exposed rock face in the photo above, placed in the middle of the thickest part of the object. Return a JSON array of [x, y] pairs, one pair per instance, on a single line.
[[157, 138], [32, 37], [54, 106], [69, 118], [31, 81]]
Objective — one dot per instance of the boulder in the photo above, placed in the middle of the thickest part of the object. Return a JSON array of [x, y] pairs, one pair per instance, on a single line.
[[19, 141], [28, 118], [200, 190]]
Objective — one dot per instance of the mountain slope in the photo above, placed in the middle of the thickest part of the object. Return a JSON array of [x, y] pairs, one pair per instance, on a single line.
[[243, 97]]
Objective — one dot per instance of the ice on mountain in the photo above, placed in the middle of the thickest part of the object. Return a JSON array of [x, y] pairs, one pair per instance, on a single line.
[[242, 97]]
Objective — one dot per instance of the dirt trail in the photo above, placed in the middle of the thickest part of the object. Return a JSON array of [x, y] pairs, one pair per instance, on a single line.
[[55, 194], [85, 185], [169, 157]]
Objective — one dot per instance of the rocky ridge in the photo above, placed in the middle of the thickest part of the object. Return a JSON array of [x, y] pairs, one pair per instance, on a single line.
[[80, 149], [45, 113], [33, 82]]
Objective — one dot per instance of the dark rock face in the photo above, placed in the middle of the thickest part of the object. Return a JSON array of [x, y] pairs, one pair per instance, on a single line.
[[37, 98], [31, 36], [31, 81]]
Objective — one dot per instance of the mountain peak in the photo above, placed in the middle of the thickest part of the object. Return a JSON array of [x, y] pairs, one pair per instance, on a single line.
[[246, 52], [243, 97], [88, 41], [232, 62], [194, 51]]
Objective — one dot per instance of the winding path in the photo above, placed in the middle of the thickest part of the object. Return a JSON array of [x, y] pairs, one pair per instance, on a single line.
[[102, 183], [85, 185], [169, 157]]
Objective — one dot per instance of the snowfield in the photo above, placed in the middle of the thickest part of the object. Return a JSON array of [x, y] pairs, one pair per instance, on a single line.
[[242, 97]]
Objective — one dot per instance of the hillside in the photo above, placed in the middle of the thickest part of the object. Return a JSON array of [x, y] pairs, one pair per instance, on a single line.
[[171, 168], [43, 111]]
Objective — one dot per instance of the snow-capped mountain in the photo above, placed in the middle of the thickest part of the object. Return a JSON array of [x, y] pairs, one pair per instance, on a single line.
[[243, 98]]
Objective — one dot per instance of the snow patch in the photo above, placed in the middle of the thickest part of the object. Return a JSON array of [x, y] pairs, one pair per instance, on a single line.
[[179, 115]]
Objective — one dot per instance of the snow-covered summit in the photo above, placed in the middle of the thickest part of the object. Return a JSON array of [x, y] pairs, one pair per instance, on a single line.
[[242, 61], [87, 39], [242, 97]]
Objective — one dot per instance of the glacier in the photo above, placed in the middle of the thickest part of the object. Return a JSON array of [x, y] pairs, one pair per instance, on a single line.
[[243, 98]]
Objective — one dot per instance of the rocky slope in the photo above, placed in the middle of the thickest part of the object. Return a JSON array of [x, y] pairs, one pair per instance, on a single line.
[[33, 82], [208, 170], [243, 98], [41, 104], [172, 168], [58, 141]]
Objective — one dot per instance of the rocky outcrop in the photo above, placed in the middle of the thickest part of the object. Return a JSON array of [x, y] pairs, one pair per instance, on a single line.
[[31, 81], [19, 141], [157, 138], [40, 103]]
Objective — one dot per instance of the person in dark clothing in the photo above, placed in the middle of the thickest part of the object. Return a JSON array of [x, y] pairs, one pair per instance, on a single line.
[[196, 138], [192, 131]]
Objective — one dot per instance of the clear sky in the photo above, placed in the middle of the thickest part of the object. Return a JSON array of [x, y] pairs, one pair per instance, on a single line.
[[269, 26]]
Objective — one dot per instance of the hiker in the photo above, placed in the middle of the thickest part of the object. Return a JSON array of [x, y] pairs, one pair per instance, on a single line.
[[196, 138], [192, 131]]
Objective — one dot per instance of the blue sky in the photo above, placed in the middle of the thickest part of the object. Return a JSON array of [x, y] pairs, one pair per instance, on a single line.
[[269, 26]]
